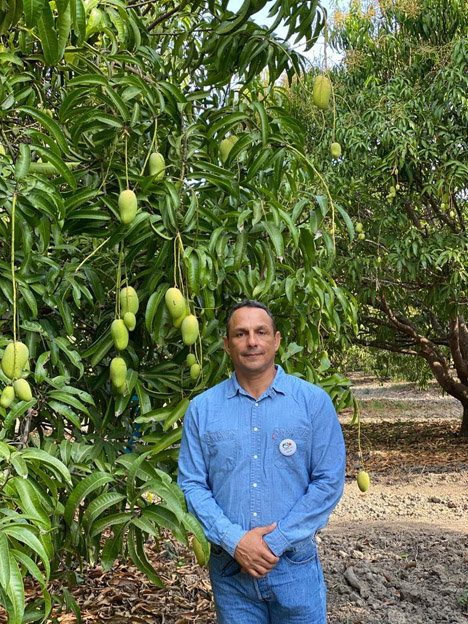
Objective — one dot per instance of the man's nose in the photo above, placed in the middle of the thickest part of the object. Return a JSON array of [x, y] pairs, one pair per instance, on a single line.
[[252, 339]]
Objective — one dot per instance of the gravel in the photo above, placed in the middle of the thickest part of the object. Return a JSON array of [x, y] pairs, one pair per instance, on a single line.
[[398, 554]]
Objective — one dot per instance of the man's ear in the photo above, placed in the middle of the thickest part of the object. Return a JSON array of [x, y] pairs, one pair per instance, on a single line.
[[226, 345], [277, 340]]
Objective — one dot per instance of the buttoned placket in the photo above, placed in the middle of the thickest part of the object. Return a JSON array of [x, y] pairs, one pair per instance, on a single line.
[[255, 463]]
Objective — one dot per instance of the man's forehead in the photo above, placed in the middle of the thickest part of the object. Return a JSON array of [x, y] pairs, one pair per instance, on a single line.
[[250, 316]]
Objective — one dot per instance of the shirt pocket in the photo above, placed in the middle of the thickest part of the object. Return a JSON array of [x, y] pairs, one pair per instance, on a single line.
[[298, 461], [222, 449]]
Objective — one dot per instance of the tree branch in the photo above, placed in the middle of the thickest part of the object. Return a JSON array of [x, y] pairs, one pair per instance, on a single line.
[[165, 16], [385, 346]]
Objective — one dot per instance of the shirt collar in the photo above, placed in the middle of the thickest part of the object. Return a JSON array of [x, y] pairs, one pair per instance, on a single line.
[[278, 384]]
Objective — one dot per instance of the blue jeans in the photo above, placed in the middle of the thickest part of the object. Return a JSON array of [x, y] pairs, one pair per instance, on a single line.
[[292, 593]]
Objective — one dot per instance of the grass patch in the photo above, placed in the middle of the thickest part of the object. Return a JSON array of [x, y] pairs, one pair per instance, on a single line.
[[384, 405]]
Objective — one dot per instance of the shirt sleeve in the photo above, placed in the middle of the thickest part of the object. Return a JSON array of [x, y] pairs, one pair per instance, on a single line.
[[193, 480], [328, 458]]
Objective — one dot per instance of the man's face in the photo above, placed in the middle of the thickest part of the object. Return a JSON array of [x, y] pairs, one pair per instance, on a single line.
[[251, 342]]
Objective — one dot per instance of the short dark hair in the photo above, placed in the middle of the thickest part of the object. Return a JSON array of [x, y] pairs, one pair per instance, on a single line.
[[249, 303]]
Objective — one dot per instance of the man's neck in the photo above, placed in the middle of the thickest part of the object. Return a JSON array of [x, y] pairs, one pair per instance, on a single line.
[[256, 384]]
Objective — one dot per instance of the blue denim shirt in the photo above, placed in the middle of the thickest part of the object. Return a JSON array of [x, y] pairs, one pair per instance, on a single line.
[[234, 475]]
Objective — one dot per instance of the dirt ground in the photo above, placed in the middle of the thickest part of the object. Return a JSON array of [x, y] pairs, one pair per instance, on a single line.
[[397, 554]]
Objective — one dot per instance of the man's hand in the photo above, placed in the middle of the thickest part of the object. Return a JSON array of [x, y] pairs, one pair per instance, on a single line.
[[253, 553]]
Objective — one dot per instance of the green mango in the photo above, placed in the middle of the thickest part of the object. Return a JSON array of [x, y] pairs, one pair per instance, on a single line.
[[190, 330], [119, 333], [195, 371], [129, 301], [118, 371], [175, 302], [363, 481], [335, 150], [14, 359], [157, 165], [128, 206], [322, 92], [8, 396], [22, 390], [130, 320], [191, 359]]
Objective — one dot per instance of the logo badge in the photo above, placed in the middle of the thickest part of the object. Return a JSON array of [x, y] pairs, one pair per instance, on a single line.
[[287, 447]]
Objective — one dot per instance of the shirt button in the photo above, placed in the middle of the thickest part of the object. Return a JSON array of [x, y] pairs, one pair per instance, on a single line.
[[255, 456], [254, 513], [255, 428], [254, 484], [256, 404]]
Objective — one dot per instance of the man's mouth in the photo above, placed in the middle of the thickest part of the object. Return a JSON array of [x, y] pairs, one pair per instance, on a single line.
[[251, 354]]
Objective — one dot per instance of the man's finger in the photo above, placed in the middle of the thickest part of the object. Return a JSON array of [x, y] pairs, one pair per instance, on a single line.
[[268, 555], [269, 528]]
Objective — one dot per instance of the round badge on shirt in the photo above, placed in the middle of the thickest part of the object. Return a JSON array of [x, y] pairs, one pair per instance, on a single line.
[[287, 447]]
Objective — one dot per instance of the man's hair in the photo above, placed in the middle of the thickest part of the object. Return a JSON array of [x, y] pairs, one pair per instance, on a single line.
[[249, 303]]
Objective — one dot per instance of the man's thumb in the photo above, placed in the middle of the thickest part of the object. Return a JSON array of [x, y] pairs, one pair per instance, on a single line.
[[271, 527]]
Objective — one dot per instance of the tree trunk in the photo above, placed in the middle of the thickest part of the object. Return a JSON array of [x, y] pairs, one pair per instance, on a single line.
[[464, 425]]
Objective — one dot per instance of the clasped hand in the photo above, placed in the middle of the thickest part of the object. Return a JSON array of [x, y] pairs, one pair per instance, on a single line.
[[253, 553]]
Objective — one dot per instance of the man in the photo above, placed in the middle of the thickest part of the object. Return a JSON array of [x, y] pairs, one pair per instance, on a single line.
[[262, 466]]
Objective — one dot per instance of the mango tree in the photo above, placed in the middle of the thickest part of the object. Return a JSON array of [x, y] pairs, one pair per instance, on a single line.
[[401, 118], [144, 147]]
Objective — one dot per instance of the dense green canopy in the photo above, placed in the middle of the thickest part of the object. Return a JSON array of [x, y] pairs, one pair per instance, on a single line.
[[401, 119], [96, 99]]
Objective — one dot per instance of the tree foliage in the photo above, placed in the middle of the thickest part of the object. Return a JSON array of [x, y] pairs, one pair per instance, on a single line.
[[88, 91], [401, 119]]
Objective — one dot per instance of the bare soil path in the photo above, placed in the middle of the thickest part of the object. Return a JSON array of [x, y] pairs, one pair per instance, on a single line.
[[397, 554]]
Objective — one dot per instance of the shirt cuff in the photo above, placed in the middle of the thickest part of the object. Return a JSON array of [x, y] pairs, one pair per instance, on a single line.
[[277, 543], [231, 538]]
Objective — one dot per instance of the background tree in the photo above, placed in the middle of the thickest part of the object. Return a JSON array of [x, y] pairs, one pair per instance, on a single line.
[[96, 99], [401, 119]]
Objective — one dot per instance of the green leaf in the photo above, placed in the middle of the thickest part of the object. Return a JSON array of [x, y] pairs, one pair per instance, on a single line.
[[132, 474], [276, 238], [16, 591], [98, 506], [48, 36], [23, 162], [40, 372], [49, 124], [35, 572], [348, 222], [4, 562], [18, 463], [29, 298], [177, 413], [69, 399], [170, 438], [260, 108], [191, 524], [49, 460], [27, 537], [153, 304], [78, 15], [143, 398], [89, 484], [137, 554], [121, 518], [32, 10], [111, 550], [58, 163], [30, 502]]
